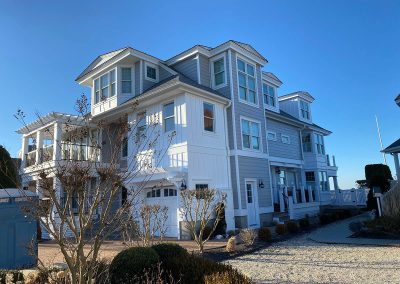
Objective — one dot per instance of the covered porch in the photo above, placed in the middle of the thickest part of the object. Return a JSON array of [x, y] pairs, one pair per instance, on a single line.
[[394, 150]]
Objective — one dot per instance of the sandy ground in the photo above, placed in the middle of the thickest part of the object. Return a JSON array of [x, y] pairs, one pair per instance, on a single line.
[[49, 252], [300, 260]]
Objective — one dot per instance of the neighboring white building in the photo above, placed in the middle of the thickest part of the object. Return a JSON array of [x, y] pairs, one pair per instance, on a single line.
[[231, 131]]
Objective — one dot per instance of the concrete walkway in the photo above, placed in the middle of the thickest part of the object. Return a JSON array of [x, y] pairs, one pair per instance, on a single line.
[[339, 233]]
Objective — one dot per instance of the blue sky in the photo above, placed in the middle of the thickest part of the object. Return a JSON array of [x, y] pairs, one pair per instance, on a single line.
[[345, 53]]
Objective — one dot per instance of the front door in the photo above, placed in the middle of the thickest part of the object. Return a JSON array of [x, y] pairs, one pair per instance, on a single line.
[[251, 204]]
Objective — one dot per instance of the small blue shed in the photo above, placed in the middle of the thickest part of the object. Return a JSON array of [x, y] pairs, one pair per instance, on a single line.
[[18, 229]]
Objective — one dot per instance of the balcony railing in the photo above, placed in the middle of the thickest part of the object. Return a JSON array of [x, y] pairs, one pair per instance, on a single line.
[[30, 158], [46, 154], [328, 161], [80, 152]]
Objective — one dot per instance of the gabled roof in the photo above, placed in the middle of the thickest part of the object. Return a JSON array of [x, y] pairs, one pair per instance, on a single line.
[[272, 76], [249, 48], [211, 51], [302, 94], [393, 148], [101, 59], [284, 114]]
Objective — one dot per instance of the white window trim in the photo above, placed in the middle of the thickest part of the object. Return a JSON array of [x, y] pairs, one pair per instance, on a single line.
[[132, 78], [273, 133], [309, 110], [257, 104], [267, 106], [163, 117], [287, 137], [214, 120], [215, 87], [108, 73], [148, 64], [260, 136]]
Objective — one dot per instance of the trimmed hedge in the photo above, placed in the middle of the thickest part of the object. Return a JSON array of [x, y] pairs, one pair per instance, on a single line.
[[132, 262], [292, 227], [264, 234], [304, 223], [281, 229], [166, 251]]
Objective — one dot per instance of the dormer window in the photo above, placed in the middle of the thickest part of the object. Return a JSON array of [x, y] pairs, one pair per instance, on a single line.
[[269, 95], [305, 110], [126, 80], [218, 71], [151, 72], [104, 83]]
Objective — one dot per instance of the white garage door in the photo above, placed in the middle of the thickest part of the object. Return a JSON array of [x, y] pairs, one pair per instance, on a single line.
[[166, 197]]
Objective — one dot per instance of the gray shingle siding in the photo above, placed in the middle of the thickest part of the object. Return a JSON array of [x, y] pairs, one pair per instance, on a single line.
[[279, 149], [137, 78], [242, 109], [205, 78], [164, 74], [255, 168], [234, 183], [188, 67]]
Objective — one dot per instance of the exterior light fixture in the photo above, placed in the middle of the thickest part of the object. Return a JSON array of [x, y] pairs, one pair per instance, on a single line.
[[261, 184]]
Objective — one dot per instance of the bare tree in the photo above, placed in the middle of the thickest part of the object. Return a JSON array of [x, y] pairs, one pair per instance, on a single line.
[[81, 202], [201, 209], [152, 220]]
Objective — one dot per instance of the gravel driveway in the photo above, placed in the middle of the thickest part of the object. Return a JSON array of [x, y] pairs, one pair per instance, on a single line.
[[301, 260]]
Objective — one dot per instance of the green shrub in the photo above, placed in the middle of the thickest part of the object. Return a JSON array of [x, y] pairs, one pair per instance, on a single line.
[[131, 262], [292, 227], [166, 251], [304, 223], [281, 229], [387, 224], [231, 233], [264, 234]]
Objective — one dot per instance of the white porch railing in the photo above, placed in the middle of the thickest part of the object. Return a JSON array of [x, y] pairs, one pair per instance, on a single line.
[[343, 197], [291, 197]]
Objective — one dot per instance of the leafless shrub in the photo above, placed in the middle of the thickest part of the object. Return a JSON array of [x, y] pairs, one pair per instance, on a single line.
[[248, 236], [80, 205], [199, 207], [152, 222]]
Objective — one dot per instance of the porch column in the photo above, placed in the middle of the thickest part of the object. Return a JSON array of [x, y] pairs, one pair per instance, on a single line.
[[335, 183], [310, 194], [39, 146], [57, 141], [303, 195], [25, 144], [397, 164]]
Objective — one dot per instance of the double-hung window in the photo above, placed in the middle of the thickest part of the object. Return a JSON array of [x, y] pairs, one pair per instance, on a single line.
[[140, 126], [247, 82], [113, 83], [306, 140], [319, 144], [208, 113], [104, 83], [126, 80], [169, 117], [269, 95], [250, 135], [305, 110], [219, 72], [96, 91], [310, 179]]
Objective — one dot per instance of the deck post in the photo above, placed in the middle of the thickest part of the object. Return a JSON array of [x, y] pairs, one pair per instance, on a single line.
[[303, 194]]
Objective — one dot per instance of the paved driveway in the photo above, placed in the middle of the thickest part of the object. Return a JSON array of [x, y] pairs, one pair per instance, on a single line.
[[302, 260]]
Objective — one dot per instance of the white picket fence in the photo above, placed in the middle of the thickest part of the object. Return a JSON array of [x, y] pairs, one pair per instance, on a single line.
[[343, 197]]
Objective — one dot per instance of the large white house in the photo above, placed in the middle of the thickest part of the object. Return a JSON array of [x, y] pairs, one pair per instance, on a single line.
[[233, 132]]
